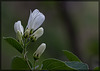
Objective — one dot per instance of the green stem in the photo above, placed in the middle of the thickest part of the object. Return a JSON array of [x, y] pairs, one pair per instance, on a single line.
[[26, 58], [25, 54], [34, 64], [28, 63], [27, 43]]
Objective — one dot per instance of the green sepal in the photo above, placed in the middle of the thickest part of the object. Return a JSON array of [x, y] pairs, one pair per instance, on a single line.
[[32, 38]]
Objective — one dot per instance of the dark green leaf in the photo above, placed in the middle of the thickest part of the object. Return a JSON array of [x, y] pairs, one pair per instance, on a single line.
[[71, 56], [77, 65], [19, 63], [54, 64], [96, 68], [14, 43]]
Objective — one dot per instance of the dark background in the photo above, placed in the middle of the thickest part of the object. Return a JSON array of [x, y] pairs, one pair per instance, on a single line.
[[68, 25]]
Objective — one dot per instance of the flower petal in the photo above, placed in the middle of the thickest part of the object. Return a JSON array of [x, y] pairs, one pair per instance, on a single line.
[[41, 48], [38, 33], [31, 18], [38, 21], [35, 19], [18, 27], [39, 51]]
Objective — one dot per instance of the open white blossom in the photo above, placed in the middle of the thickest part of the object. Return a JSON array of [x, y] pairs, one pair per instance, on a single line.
[[39, 51], [38, 33], [36, 18], [18, 27]]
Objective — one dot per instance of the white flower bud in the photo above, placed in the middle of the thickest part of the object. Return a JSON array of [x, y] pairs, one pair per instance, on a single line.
[[38, 33], [39, 51], [18, 27], [19, 30], [35, 20]]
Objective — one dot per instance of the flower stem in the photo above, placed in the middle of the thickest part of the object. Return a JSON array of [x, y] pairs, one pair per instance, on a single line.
[[25, 54], [34, 64], [28, 63], [27, 43]]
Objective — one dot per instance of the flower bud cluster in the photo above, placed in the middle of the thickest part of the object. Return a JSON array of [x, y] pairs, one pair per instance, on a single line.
[[32, 30]]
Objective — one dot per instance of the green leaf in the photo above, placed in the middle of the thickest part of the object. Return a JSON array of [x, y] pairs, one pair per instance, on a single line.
[[54, 64], [96, 68], [71, 56], [14, 43], [77, 65], [19, 63]]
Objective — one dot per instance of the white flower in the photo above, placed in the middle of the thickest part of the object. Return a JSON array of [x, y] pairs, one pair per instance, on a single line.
[[35, 20], [18, 27], [38, 33], [19, 30], [39, 51]]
